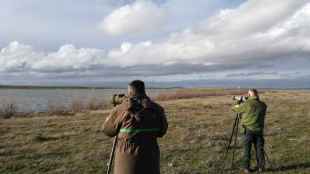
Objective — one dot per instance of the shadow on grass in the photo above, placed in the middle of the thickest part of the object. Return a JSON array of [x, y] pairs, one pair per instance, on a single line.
[[290, 167]]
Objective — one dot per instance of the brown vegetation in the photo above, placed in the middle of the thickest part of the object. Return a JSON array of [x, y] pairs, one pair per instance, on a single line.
[[198, 93], [95, 104], [76, 106], [198, 130], [54, 108], [8, 110]]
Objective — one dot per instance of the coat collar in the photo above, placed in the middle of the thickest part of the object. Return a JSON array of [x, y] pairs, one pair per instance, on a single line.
[[253, 98]]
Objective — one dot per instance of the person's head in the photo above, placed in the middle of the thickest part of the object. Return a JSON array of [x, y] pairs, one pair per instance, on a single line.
[[253, 93], [136, 88]]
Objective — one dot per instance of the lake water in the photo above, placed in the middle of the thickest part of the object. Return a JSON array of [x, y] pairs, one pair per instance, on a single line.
[[38, 100]]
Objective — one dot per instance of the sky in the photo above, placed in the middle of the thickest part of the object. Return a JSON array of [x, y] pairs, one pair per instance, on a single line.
[[227, 43]]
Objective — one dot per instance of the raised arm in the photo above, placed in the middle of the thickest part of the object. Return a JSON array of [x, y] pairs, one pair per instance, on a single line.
[[112, 123], [240, 108]]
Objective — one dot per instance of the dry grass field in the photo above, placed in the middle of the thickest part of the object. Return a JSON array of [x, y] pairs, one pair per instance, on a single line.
[[199, 128]]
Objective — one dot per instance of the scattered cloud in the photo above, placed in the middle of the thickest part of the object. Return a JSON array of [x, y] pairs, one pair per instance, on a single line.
[[234, 39], [249, 40], [141, 16], [20, 57]]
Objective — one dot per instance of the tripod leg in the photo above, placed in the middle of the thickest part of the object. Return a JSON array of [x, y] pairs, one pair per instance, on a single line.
[[232, 134], [235, 141], [112, 156], [228, 146]]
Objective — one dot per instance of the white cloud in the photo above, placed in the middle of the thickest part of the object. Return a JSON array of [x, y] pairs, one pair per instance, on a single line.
[[242, 34], [245, 35], [144, 18], [20, 57], [252, 16], [17, 57], [141, 16], [70, 58]]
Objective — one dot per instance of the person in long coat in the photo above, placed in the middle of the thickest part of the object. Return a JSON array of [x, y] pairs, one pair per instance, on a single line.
[[137, 122]]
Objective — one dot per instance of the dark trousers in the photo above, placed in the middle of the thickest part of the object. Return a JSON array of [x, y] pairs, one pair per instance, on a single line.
[[258, 140]]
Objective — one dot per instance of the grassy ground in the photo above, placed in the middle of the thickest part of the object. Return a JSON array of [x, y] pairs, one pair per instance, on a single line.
[[195, 143]]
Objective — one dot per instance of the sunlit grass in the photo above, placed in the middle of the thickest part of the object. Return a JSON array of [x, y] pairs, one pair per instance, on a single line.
[[195, 143]]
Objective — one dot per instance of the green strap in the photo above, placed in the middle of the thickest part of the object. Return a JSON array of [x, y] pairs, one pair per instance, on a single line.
[[134, 130]]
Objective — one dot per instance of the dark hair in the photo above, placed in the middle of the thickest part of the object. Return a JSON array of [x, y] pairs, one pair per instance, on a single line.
[[255, 92], [138, 87]]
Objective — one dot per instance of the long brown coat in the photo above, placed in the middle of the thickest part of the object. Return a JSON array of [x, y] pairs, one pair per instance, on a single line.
[[137, 151]]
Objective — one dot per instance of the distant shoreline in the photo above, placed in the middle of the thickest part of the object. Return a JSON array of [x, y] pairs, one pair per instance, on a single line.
[[115, 87], [71, 87], [55, 87]]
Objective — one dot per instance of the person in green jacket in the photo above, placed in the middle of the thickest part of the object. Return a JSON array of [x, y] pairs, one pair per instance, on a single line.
[[253, 113]]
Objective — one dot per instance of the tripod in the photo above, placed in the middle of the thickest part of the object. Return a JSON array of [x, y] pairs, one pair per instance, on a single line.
[[112, 154], [233, 139]]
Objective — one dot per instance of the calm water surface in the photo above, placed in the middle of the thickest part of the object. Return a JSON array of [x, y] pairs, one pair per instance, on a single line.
[[38, 100]]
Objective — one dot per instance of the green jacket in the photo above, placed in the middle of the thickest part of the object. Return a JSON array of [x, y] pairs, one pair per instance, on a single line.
[[253, 114]]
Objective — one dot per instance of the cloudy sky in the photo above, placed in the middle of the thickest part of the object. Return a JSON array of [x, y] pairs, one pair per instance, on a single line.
[[96, 42]]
